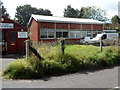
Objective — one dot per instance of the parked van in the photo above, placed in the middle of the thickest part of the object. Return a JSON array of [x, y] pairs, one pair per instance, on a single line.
[[110, 37], [111, 34], [95, 40]]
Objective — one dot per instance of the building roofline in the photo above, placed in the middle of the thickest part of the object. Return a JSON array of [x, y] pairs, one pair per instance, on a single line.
[[41, 18]]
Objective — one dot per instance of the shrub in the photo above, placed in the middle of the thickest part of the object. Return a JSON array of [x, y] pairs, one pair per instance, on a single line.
[[75, 58], [52, 67], [18, 69], [70, 63]]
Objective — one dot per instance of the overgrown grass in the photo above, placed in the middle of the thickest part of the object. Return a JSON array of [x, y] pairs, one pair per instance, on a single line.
[[76, 58]]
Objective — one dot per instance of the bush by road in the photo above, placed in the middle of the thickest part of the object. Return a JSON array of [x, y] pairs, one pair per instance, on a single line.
[[75, 58]]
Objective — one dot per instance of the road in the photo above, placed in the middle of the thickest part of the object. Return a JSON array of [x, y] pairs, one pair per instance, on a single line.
[[106, 78]]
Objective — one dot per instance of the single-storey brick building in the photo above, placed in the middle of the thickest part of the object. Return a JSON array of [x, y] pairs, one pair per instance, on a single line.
[[50, 28]]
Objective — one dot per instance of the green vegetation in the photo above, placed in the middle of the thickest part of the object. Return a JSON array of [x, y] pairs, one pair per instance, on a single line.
[[75, 58], [90, 12]]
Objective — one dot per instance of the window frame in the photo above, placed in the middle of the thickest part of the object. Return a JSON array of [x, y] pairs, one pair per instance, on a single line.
[[47, 31], [62, 31]]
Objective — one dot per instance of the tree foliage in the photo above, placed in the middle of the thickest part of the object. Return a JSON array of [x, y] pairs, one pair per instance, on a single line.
[[24, 12], [70, 12], [3, 10], [115, 20], [94, 13], [91, 12]]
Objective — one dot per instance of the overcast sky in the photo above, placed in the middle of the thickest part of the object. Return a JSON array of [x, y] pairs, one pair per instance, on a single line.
[[57, 6]]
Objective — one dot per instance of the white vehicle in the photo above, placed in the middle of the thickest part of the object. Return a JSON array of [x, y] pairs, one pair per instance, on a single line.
[[96, 40], [111, 34], [111, 37]]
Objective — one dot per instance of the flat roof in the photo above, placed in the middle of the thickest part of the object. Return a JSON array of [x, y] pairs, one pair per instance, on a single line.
[[41, 18]]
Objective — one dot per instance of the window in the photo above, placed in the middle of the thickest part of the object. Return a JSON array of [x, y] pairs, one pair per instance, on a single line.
[[43, 33], [110, 31], [89, 33], [99, 31], [47, 33], [95, 32], [50, 33], [74, 34], [83, 34], [58, 34], [61, 34], [65, 34]]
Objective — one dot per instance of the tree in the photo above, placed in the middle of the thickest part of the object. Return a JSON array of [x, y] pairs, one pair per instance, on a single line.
[[44, 12], [115, 20], [70, 12], [3, 10], [23, 13], [86, 12], [94, 13]]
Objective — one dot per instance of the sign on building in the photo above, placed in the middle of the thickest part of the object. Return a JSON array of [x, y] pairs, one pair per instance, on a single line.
[[6, 26], [22, 35]]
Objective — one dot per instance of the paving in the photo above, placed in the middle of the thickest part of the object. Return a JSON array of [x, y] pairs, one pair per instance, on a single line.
[[106, 78]]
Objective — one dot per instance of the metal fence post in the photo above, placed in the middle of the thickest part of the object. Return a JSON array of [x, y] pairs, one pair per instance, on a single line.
[[100, 44]]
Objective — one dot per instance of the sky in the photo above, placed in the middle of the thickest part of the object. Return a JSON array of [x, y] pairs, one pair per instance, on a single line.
[[57, 6]]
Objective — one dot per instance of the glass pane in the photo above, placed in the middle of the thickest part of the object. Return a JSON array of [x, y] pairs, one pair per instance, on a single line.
[[78, 35], [65, 34], [58, 34], [43, 34], [83, 34], [72, 34], [50, 34]]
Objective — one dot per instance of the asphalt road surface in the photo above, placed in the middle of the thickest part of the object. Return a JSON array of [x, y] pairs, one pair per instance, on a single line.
[[106, 78]]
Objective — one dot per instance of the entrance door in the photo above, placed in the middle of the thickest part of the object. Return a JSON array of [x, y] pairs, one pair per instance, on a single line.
[[12, 45]]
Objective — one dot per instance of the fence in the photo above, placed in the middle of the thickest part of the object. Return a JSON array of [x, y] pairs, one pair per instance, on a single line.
[[46, 46]]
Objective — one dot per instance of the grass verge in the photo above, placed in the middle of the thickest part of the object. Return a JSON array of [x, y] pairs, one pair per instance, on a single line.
[[76, 58]]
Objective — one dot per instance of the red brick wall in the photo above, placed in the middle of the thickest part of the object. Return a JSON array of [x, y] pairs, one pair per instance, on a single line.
[[61, 26], [46, 25], [97, 27], [86, 27], [70, 26], [75, 26], [34, 31]]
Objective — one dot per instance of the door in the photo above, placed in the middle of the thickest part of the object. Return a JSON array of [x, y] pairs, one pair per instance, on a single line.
[[12, 43]]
